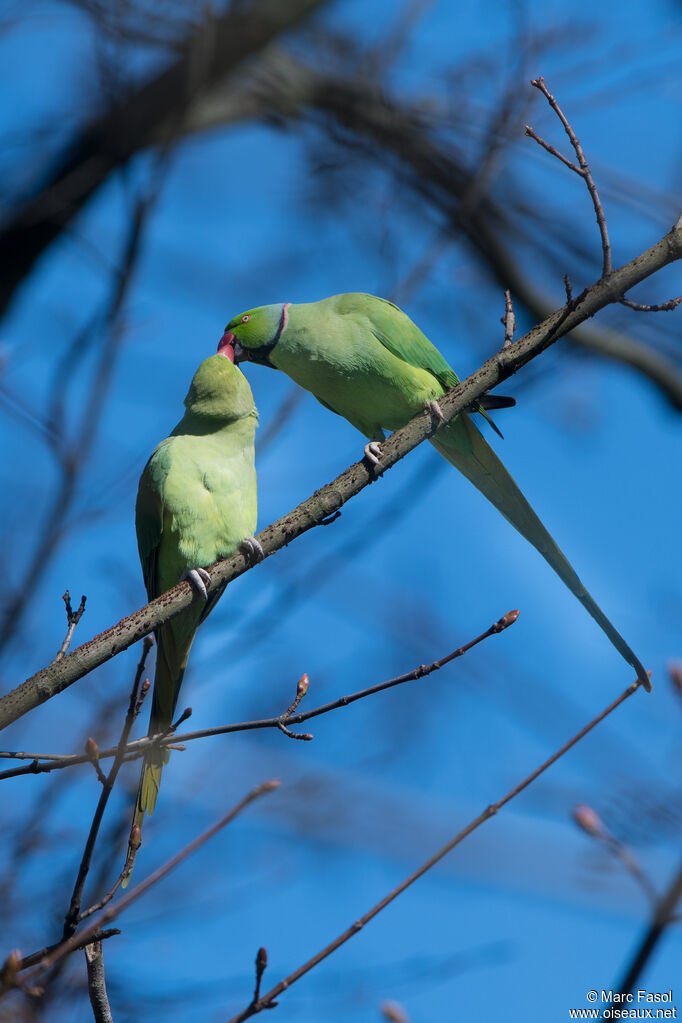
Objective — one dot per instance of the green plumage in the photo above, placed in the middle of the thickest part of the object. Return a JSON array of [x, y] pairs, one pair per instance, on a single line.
[[363, 358], [196, 503]]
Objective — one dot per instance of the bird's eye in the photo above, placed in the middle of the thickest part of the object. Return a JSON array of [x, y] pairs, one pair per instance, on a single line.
[[246, 318]]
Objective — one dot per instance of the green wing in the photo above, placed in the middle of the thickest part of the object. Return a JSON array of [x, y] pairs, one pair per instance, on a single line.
[[149, 526], [403, 338]]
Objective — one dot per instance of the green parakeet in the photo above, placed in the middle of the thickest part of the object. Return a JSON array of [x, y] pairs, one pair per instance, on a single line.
[[363, 358], [196, 503]]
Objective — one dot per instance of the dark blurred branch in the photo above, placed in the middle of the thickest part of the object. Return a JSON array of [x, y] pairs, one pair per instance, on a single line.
[[267, 1001], [154, 111], [330, 498], [665, 914], [54, 762], [74, 457]]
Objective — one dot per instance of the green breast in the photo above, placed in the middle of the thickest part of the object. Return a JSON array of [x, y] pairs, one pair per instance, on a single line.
[[339, 360]]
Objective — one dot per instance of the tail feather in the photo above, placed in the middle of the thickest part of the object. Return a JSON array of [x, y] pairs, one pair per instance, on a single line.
[[171, 660], [464, 447]]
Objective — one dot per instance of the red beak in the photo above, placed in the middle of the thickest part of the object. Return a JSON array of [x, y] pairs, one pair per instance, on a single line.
[[226, 345]]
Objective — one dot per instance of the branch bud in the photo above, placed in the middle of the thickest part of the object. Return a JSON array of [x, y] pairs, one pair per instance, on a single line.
[[91, 749], [135, 840], [303, 684], [261, 959], [10, 968], [675, 673], [588, 820]]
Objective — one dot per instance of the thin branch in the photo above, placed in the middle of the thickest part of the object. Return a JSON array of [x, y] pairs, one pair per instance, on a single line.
[[329, 499], [72, 916], [139, 747], [663, 307], [72, 620], [87, 935], [583, 170], [266, 1001], [508, 320], [97, 987], [35, 957]]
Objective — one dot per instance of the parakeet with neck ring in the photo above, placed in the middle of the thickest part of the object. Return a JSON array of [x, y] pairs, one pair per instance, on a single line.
[[363, 358]]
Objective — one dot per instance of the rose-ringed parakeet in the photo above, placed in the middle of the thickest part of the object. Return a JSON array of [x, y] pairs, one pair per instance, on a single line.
[[196, 503], [364, 359]]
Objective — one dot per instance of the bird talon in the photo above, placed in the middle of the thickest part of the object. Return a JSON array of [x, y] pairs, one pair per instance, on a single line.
[[372, 454], [198, 579], [252, 550], [434, 408]]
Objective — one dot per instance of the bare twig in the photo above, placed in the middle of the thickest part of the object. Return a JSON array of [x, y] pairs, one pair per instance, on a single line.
[[663, 307], [92, 753], [508, 320], [327, 501], [72, 916], [87, 935], [72, 620], [583, 170], [139, 747], [97, 987], [266, 1001], [35, 957]]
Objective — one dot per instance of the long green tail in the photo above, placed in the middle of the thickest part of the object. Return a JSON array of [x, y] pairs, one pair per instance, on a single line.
[[464, 447], [171, 660]]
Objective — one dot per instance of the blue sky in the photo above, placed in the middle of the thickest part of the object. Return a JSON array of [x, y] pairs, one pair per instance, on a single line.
[[528, 914]]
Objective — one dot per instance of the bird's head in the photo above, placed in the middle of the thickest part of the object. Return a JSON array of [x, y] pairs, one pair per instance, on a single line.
[[252, 335], [220, 391]]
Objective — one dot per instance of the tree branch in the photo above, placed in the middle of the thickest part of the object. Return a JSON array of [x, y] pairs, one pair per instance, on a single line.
[[54, 762], [97, 987], [329, 499], [134, 704], [267, 1001]]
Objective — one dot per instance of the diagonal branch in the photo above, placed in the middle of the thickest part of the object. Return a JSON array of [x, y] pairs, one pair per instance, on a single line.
[[88, 934], [267, 1001], [326, 501]]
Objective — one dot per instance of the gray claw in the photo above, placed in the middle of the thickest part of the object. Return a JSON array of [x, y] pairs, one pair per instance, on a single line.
[[372, 453], [252, 550], [434, 408], [199, 578]]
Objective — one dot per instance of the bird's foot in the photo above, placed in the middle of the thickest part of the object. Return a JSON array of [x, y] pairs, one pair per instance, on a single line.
[[436, 411], [373, 455], [252, 550], [199, 578]]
